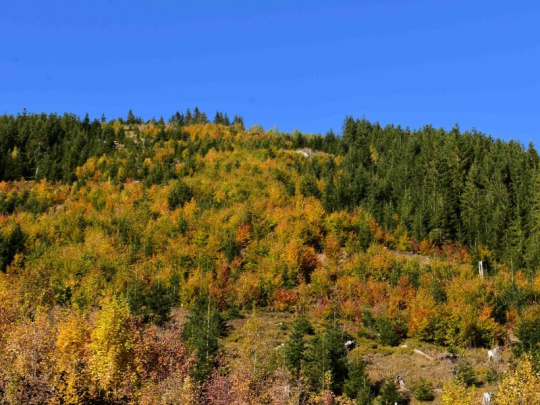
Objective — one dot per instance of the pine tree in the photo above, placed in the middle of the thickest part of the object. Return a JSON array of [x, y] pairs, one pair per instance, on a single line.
[[131, 119], [177, 119], [349, 131], [389, 393], [203, 119], [197, 116], [295, 348], [201, 332], [238, 120], [188, 118], [357, 385], [327, 354], [513, 242], [179, 194], [10, 245], [532, 254], [218, 118]]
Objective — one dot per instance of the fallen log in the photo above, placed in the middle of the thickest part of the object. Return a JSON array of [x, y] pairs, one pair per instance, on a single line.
[[420, 352]]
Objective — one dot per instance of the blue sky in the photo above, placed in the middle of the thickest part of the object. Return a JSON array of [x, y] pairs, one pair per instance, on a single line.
[[291, 64]]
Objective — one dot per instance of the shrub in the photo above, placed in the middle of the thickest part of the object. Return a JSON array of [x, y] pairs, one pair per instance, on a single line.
[[231, 313], [304, 326], [389, 394], [465, 374], [492, 375], [387, 334], [423, 391]]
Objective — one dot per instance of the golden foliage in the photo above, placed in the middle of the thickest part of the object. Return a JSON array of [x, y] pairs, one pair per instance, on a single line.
[[111, 346], [456, 393], [519, 386]]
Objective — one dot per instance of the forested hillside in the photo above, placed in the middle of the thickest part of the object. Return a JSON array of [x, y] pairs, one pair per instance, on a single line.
[[140, 262]]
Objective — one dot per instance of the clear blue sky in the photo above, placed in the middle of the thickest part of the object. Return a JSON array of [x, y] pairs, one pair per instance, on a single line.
[[295, 63]]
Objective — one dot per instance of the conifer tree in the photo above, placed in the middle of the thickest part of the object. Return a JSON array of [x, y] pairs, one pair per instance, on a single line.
[[532, 254], [131, 119], [189, 117], [295, 348], [357, 385], [201, 332], [10, 245], [389, 393], [327, 354], [238, 120], [197, 118], [218, 118]]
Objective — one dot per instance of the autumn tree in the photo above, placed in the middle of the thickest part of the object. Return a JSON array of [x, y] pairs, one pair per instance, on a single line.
[[520, 385], [111, 347]]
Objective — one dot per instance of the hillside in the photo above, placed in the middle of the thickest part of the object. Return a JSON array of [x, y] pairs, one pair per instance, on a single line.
[[197, 262]]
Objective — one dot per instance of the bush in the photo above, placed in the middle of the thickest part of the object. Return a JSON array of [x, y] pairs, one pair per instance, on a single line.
[[389, 394], [464, 373], [231, 313], [387, 334], [423, 391], [304, 326], [492, 375]]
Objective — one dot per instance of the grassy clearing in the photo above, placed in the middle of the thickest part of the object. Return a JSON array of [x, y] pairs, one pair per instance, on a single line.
[[381, 361]]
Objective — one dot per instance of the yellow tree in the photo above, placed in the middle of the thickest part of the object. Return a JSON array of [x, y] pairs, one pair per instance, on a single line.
[[71, 361], [520, 386], [456, 393], [111, 346]]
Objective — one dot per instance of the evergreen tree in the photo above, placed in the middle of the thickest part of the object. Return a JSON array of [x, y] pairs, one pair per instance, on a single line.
[[528, 332], [132, 119], [357, 385], [203, 119], [179, 194], [197, 118], [177, 119], [295, 348], [201, 332], [10, 245], [532, 254], [238, 120], [513, 252], [389, 394], [218, 118], [424, 391], [327, 354], [349, 131]]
